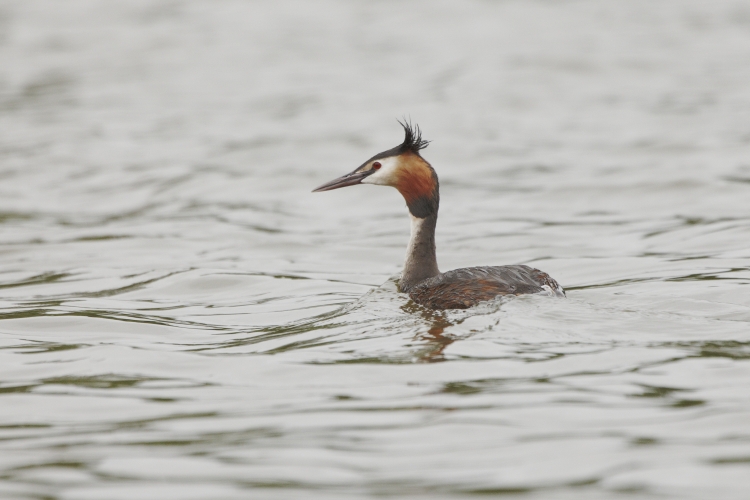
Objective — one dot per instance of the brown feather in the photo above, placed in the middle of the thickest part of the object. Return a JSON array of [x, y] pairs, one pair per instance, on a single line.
[[467, 287], [418, 184]]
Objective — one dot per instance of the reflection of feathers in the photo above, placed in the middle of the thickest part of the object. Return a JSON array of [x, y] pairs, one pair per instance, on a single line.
[[463, 288]]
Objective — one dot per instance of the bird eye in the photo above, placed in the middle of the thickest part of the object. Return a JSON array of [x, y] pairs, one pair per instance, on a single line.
[[376, 165]]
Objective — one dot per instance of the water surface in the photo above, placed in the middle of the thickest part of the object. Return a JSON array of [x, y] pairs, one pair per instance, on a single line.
[[182, 319]]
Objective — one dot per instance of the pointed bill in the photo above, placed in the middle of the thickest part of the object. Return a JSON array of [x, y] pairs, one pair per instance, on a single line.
[[343, 181]]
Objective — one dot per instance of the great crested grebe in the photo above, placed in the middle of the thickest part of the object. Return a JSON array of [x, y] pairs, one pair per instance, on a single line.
[[404, 168]]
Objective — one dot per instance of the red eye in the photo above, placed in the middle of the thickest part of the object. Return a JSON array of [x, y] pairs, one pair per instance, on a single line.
[[376, 165]]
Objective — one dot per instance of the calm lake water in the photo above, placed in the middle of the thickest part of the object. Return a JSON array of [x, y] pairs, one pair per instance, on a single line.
[[180, 318]]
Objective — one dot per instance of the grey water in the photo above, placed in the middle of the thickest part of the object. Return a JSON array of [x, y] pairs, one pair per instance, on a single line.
[[180, 318]]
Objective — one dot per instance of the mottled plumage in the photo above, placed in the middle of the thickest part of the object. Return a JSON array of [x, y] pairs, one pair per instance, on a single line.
[[466, 287]]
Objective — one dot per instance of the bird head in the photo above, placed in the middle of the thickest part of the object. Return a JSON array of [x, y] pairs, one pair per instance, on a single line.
[[401, 167]]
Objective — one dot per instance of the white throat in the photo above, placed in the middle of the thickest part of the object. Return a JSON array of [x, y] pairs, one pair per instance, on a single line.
[[416, 228], [420, 254]]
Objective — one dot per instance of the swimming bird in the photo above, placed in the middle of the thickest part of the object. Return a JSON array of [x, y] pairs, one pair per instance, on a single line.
[[404, 168]]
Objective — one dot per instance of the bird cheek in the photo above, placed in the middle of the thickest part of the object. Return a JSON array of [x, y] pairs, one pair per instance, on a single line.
[[377, 178], [372, 180]]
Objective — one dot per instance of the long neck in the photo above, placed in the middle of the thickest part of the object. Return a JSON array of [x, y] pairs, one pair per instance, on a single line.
[[421, 262]]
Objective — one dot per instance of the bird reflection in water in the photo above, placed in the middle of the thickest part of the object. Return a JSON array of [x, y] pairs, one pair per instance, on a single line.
[[432, 343]]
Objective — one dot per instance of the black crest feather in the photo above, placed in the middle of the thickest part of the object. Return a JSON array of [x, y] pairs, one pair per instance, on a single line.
[[413, 141]]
